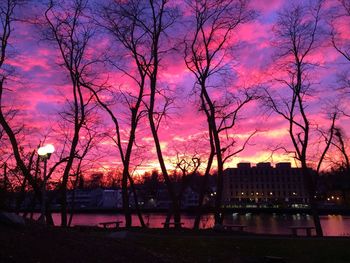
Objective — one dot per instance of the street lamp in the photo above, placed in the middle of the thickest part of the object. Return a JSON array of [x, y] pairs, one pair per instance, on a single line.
[[45, 153]]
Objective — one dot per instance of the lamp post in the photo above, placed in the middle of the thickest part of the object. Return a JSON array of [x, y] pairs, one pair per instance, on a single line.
[[45, 153]]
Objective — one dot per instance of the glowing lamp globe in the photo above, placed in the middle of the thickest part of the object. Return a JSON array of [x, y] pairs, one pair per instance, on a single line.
[[42, 151], [46, 150], [49, 148]]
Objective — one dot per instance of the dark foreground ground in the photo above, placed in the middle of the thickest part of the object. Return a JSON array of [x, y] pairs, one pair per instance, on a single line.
[[39, 244]]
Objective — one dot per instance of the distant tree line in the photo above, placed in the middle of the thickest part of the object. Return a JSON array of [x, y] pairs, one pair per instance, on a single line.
[[141, 41]]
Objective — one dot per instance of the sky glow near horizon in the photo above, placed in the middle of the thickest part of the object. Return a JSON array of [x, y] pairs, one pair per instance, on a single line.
[[41, 89]]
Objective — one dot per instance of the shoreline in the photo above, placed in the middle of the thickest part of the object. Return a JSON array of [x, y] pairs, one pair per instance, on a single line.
[[322, 211], [55, 244]]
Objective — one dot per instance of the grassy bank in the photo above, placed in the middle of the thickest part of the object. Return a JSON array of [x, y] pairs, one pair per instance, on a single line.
[[246, 248], [38, 244]]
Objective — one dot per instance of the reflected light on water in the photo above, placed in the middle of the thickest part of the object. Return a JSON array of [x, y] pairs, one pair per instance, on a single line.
[[333, 225]]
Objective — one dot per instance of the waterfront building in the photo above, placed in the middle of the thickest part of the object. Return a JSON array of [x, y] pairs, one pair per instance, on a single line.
[[79, 198], [163, 200], [111, 198], [95, 198], [190, 198], [264, 186]]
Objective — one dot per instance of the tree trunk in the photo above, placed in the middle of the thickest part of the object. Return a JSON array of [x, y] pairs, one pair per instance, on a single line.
[[43, 193], [5, 196], [21, 196], [64, 206], [72, 208], [202, 193], [137, 207], [220, 164], [66, 175], [126, 162], [167, 219], [175, 204], [48, 215], [125, 197], [310, 183]]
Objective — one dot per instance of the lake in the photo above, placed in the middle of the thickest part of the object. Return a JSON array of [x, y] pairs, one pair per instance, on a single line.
[[333, 225]]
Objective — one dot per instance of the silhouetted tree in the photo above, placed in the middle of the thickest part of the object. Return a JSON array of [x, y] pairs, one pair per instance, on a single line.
[[342, 14], [158, 17], [328, 138], [340, 21], [90, 142], [8, 18], [341, 146], [186, 166], [297, 33], [67, 27], [138, 26], [122, 20], [205, 52]]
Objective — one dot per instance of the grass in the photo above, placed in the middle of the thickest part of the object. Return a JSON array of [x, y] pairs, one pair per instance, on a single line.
[[39, 244], [244, 248]]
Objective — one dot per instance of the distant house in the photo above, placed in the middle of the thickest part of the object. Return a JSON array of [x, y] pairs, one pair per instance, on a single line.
[[112, 198], [95, 198], [79, 198], [163, 200], [190, 198], [264, 185]]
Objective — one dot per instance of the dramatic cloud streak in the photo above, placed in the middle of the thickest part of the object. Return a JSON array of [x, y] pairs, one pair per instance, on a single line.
[[41, 90]]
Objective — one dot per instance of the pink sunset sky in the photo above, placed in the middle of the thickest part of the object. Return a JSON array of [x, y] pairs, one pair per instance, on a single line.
[[41, 88]]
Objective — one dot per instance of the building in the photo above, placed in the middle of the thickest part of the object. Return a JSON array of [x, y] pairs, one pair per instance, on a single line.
[[264, 186], [95, 198], [162, 198], [112, 198], [80, 198], [190, 198]]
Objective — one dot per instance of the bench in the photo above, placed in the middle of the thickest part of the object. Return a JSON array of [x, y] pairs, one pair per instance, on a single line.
[[173, 224], [230, 227], [116, 224], [307, 229]]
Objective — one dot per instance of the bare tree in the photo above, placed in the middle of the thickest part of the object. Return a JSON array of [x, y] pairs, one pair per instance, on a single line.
[[23, 180], [121, 20], [6, 157], [160, 17], [204, 184], [92, 138], [4, 187], [340, 144], [186, 165], [67, 27], [205, 53], [296, 37], [138, 26], [8, 18], [328, 139], [342, 14], [339, 23]]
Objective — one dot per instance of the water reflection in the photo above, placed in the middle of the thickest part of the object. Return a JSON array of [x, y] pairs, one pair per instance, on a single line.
[[333, 225], [269, 224]]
